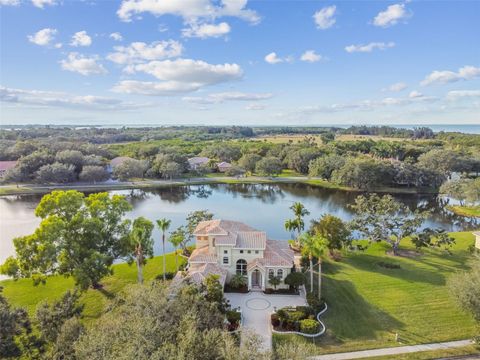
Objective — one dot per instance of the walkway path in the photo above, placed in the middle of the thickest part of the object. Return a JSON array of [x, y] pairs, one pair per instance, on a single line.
[[256, 309], [393, 351]]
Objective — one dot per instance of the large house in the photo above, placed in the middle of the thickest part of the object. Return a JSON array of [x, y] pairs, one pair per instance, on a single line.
[[197, 162], [5, 166], [227, 248]]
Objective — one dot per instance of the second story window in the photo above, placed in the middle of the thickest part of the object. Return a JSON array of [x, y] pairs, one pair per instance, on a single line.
[[225, 251], [242, 267], [241, 251], [225, 260]]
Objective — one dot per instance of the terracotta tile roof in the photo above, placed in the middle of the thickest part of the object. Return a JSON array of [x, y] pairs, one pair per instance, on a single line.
[[119, 160], [7, 165], [202, 255], [224, 164], [198, 275], [251, 240], [198, 160], [220, 227], [277, 253]]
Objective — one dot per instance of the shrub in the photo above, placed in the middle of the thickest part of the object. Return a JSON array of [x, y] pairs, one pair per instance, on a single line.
[[233, 316], [295, 316], [307, 310], [295, 279], [387, 265], [275, 320], [168, 276], [237, 281], [309, 326], [314, 302]]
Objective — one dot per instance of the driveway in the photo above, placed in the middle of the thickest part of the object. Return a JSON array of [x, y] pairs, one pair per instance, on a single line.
[[256, 309]]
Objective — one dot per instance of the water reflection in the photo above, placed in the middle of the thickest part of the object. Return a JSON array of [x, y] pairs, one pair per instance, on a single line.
[[264, 206]]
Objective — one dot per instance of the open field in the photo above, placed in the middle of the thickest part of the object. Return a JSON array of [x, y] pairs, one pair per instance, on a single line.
[[294, 138], [22, 293], [469, 211], [431, 355], [369, 304]]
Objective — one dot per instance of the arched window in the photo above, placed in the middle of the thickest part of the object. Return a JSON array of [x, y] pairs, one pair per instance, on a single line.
[[242, 267], [271, 273], [280, 273]]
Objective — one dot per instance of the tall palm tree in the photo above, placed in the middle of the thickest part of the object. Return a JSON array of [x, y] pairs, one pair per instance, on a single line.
[[297, 223], [164, 224], [314, 246], [176, 238], [290, 225], [140, 244]]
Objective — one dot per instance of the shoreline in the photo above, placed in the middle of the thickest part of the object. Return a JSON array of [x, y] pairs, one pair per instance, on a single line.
[[32, 189]]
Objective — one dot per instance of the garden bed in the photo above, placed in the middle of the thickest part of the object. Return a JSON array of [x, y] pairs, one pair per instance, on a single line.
[[231, 289], [280, 292]]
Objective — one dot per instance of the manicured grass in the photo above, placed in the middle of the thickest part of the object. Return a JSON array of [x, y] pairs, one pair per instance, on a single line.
[[22, 293], [369, 304], [469, 211]]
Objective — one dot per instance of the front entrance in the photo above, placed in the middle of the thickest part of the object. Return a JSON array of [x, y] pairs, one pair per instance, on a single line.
[[256, 278]]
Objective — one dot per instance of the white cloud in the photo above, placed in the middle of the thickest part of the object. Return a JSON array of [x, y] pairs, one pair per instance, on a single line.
[[61, 99], [41, 3], [204, 31], [81, 64], [459, 94], [81, 38], [179, 76], [415, 94], [255, 107], [397, 87], [272, 58], [391, 16], [189, 10], [446, 76], [9, 2], [116, 36], [325, 18], [43, 37], [369, 47], [216, 98], [138, 52], [310, 56]]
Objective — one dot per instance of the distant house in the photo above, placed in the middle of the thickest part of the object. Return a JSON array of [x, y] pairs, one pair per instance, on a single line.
[[223, 166], [5, 166], [477, 239], [195, 162], [117, 161]]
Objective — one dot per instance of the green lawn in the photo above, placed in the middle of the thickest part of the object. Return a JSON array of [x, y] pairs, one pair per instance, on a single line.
[[470, 211], [368, 304], [22, 293]]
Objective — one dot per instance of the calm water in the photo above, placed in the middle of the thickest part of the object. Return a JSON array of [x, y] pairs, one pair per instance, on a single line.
[[264, 207]]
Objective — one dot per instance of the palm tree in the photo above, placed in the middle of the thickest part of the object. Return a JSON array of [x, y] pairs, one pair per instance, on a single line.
[[141, 244], [314, 246], [177, 237], [290, 225], [297, 223], [163, 224]]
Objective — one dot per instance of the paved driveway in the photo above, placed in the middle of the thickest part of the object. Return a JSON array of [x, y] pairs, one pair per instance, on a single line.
[[256, 309]]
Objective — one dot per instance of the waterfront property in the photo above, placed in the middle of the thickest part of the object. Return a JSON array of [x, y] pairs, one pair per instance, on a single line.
[[5, 166], [197, 161], [227, 248]]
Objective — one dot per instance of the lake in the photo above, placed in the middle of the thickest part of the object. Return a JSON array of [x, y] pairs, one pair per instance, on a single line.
[[263, 206]]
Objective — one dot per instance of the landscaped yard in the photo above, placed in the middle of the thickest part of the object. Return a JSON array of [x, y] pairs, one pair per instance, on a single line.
[[369, 304], [22, 293]]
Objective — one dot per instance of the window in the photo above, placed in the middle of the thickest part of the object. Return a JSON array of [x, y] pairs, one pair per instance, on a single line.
[[225, 260], [256, 251], [241, 251], [271, 273], [280, 273], [225, 251], [249, 251], [242, 267]]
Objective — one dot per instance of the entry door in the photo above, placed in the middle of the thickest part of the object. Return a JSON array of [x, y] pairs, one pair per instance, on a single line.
[[256, 278]]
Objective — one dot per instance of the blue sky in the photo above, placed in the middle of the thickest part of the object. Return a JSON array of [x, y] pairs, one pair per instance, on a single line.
[[235, 62]]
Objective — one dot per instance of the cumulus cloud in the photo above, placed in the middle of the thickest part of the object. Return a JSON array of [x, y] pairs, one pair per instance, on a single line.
[[446, 76], [391, 16], [41, 3], [397, 87], [81, 64], [81, 38], [191, 10], [325, 18], [43, 37], [61, 99], [310, 56], [216, 98], [460, 94], [116, 36], [179, 76], [204, 31], [255, 107], [273, 58], [9, 2], [138, 52], [415, 94], [369, 47]]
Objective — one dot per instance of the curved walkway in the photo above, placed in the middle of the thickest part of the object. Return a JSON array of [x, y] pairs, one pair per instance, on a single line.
[[393, 351]]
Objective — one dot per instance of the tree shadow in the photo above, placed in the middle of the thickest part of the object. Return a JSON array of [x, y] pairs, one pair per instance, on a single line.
[[350, 317], [108, 294]]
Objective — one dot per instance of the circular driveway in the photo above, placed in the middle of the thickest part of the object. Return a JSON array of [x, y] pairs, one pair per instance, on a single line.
[[257, 304]]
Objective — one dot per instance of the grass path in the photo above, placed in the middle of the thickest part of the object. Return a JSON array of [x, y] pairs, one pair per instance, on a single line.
[[22, 293], [369, 304]]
